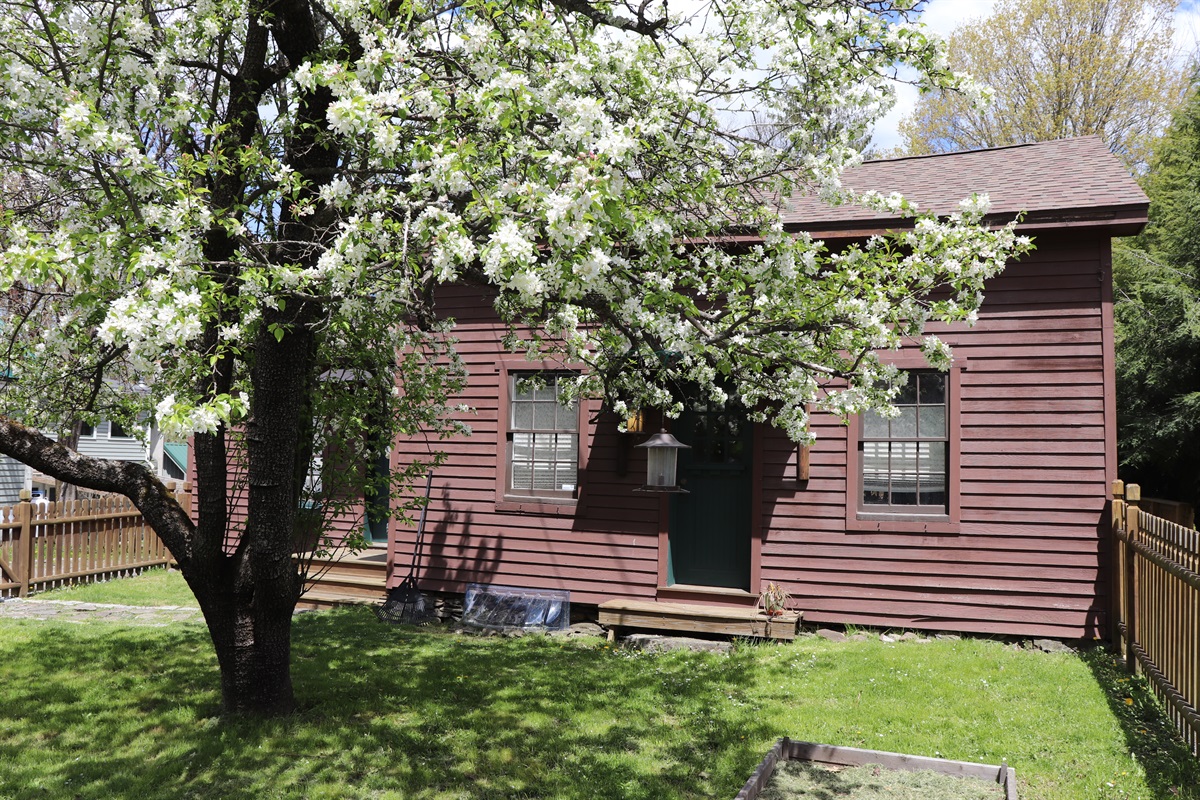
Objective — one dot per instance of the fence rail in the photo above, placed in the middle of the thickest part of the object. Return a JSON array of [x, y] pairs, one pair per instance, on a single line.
[[47, 545], [1156, 604]]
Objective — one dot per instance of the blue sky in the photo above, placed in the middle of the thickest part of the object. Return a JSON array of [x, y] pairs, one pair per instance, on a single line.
[[943, 16]]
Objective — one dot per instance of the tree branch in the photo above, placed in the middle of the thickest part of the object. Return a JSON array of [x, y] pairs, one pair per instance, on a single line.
[[641, 25], [128, 478]]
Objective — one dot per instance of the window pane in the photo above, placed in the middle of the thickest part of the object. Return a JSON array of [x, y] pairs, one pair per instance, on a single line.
[[543, 416], [522, 416], [934, 495], [522, 475], [933, 388], [565, 448], [933, 457], [547, 392], [567, 476], [932, 477], [875, 473], [876, 494], [522, 446], [874, 426], [568, 417], [908, 392], [933, 421], [520, 387], [905, 425], [543, 446], [543, 475], [904, 473]]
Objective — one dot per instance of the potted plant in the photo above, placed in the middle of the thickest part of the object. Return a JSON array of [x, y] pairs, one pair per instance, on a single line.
[[773, 599]]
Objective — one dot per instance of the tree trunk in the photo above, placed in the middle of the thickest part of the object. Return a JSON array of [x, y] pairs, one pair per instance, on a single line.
[[252, 636], [248, 596]]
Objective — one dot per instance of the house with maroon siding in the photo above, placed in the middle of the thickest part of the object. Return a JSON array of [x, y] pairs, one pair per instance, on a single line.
[[981, 508]]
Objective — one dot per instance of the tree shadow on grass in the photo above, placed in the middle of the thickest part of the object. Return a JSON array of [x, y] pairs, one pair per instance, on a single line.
[[385, 712], [1171, 769]]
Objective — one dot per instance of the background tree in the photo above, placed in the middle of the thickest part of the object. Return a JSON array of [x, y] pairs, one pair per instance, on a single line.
[[245, 207], [1058, 68], [1158, 322]]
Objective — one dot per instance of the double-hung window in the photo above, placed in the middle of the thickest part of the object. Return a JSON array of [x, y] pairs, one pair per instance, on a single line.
[[904, 458], [543, 437], [904, 466]]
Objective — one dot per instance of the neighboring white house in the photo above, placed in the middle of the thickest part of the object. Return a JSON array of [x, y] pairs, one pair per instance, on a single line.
[[13, 478], [105, 440]]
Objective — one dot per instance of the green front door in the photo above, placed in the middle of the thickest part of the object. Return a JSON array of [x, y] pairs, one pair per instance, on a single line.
[[710, 525]]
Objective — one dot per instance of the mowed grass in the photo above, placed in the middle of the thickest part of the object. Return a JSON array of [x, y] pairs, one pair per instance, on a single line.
[[110, 711], [154, 587]]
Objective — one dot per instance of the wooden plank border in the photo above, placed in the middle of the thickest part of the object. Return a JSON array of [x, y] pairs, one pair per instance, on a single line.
[[790, 750], [766, 768]]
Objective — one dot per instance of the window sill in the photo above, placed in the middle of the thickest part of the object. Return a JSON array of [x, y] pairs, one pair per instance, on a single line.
[[561, 507], [902, 523]]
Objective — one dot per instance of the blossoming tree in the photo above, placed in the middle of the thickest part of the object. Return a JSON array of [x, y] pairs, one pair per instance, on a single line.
[[235, 214]]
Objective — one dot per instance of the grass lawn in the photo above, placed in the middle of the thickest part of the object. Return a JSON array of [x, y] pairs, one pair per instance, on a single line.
[[109, 711], [154, 587]]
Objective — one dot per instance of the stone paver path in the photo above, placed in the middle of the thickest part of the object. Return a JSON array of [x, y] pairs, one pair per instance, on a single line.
[[70, 611]]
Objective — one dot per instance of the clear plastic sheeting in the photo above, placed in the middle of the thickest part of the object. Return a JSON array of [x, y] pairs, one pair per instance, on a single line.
[[508, 608]]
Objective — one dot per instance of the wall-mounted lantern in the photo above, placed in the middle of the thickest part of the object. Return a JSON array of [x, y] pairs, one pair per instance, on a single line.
[[662, 455]]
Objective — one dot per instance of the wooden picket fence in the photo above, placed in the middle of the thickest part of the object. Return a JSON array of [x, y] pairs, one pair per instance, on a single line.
[[1156, 604], [47, 545]]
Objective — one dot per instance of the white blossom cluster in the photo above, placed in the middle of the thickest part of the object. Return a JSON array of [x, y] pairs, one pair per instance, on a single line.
[[600, 179]]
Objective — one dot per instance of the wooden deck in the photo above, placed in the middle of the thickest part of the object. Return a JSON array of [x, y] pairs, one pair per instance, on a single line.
[[691, 618]]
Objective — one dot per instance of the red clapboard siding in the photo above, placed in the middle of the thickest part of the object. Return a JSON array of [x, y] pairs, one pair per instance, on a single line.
[[1034, 434]]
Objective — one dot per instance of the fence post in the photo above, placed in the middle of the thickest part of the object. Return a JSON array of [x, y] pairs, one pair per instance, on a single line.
[[23, 511], [1133, 495], [1115, 573]]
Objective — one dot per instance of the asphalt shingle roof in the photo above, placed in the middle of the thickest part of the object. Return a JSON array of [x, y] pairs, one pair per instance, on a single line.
[[1063, 176]]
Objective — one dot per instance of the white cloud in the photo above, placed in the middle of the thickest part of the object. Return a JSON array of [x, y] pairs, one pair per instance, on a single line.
[[943, 16], [1187, 29]]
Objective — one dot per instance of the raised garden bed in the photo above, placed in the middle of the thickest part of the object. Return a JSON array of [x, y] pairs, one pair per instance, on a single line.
[[1001, 778]]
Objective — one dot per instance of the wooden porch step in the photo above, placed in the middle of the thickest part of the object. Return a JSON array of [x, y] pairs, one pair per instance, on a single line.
[[347, 579], [693, 618], [356, 564], [352, 579], [329, 598], [369, 589]]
